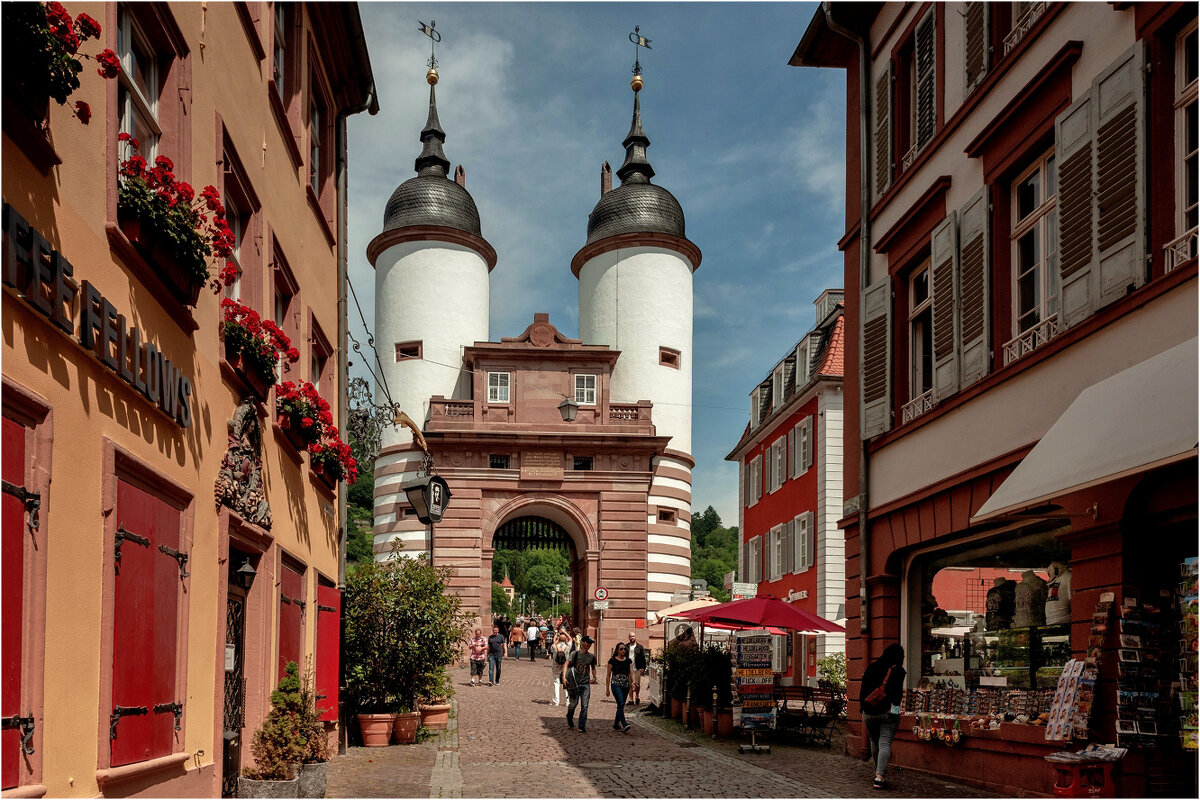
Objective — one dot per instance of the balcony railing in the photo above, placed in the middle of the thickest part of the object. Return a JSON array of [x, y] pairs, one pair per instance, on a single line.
[[917, 407], [1180, 250], [1022, 26], [457, 408], [624, 413], [1031, 339], [910, 157]]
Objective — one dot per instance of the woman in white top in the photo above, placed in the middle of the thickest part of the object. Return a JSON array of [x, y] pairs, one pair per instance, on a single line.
[[559, 652]]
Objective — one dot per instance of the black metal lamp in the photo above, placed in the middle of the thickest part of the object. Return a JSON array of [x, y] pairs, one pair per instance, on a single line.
[[568, 408], [245, 574], [429, 498]]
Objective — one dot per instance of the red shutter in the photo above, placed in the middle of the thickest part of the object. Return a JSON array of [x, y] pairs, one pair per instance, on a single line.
[[289, 619], [12, 572], [145, 627], [329, 620]]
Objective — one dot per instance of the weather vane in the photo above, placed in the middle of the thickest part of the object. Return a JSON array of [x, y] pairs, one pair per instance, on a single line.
[[638, 41], [430, 30]]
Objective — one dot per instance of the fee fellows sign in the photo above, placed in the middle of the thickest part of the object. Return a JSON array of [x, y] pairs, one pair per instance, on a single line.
[[542, 465], [45, 281]]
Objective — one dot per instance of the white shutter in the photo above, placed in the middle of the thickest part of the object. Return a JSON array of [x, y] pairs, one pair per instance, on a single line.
[[781, 473], [806, 444], [801, 541], [787, 547], [924, 56], [883, 132], [747, 484], [974, 289], [1073, 155], [977, 48], [792, 469], [943, 279], [876, 358], [756, 549], [810, 535], [1119, 117], [778, 654]]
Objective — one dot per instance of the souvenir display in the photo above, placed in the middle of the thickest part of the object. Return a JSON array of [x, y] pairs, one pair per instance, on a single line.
[[1140, 688], [1030, 601], [1058, 594], [1186, 694]]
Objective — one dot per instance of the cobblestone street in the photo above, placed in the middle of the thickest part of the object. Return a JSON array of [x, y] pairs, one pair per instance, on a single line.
[[511, 741]]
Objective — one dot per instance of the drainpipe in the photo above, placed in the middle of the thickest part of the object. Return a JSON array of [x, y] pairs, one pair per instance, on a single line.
[[864, 253]]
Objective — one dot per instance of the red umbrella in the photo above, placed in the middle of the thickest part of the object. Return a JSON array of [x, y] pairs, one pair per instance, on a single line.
[[765, 611]]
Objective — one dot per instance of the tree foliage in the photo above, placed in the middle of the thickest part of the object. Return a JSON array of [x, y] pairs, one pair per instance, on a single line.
[[534, 573], [714, 551], [500, 604]]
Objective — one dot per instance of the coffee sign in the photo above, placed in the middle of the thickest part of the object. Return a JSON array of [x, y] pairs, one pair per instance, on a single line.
[[44, 280]]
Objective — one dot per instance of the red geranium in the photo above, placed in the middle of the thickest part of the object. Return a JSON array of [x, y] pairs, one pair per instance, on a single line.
[[43, 42], [83, 111], [259, 341]]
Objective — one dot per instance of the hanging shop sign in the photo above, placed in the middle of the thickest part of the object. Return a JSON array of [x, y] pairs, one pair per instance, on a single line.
[[44, 280], [755, 680]]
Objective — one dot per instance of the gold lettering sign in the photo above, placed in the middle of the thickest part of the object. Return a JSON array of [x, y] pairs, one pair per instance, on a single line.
[[542, 465]]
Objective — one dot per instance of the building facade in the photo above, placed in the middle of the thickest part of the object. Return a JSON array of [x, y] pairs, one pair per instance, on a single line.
[[611, 487], [166, 548], [1021, 358], [790, 477]]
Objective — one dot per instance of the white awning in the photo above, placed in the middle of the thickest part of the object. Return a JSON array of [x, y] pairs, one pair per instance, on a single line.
[[1139, 419]]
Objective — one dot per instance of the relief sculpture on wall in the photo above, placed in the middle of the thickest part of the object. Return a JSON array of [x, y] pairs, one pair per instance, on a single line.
[[239, 481]]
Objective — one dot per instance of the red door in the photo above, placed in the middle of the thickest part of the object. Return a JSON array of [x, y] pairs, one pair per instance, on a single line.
[[329, 622], [12, 594], [290, 628]]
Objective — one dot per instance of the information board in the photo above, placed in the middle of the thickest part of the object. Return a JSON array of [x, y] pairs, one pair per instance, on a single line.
[[755, 680]]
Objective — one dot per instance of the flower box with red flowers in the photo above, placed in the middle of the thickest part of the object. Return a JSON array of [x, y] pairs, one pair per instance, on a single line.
[[254, 345], [301, 413], [175, 231], [331, 460]]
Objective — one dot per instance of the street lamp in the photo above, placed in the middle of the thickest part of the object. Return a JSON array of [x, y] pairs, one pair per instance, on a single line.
[[555, 599], [568, 408]]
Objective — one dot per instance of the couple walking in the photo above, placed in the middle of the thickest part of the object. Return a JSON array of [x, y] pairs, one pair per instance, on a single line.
[[491, 649], [579, 673]]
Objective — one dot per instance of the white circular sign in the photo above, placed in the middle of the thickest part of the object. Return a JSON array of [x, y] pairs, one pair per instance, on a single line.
[[601, 593]]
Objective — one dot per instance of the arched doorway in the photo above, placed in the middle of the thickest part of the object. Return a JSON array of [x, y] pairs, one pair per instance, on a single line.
[[549, 568]]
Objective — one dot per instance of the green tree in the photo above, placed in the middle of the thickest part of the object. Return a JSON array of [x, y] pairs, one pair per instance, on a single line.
[[704, 524], [500, 604]]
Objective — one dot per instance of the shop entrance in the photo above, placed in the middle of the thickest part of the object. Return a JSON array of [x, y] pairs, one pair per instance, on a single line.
[[541, 561]]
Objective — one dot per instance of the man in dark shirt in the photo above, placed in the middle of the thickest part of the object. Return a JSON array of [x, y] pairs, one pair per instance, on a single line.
[[578, 675], [496, 643]]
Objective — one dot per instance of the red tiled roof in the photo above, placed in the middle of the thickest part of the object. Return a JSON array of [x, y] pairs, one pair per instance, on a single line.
[[835, 352]]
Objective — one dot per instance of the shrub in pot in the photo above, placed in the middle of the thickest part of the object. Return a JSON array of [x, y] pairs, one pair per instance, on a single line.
[[434, 700], [713, 668], [405, 724], [370, 647], [314, 766], [279, 744]]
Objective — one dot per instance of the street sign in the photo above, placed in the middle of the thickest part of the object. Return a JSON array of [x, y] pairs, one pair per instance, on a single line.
[[600, 605], [743, 590], [601, 593]]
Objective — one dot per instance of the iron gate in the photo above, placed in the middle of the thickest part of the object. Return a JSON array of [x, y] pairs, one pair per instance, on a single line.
[[235, 692]]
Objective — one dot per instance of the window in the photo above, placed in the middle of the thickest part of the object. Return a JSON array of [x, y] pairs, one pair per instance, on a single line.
[[286, 305], [755, 409], [775, 553], [802, 363], [241, 213], [666, 516], [233, 217], [804, 446], [279, 61], [787, 547], [316, 135], [754, 482], [585, 390], [754, 560], [780, 461], [668, 357], [138, 87], [805, 555], [582, 463], [920, 333], [497, 387], [498, 462], [779, 659], [1035, 246], [918, 73], [1184, 246], [777, 387], [320, 359], [407, 350]]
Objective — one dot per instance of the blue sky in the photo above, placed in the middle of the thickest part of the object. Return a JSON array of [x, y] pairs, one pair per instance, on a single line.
[[534, 97]]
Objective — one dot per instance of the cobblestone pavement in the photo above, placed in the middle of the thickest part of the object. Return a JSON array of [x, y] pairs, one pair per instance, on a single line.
[[509, 740]]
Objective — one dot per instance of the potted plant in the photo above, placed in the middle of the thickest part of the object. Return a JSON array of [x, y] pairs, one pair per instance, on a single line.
[[330, 458], [301, 413], [714, 668], [371, 642], [405, 724], [434, 700], [175, 231], [279, 743], [253, 345], [682, 661], [314, 764]]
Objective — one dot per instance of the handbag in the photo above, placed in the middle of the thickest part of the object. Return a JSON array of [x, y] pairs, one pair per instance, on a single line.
[[878, 695]]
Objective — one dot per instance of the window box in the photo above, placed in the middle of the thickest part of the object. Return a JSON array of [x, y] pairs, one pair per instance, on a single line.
[[328, 473], [291, 432], [182, 284], [253, 378]]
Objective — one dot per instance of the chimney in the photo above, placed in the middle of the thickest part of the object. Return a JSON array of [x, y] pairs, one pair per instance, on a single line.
[[460, 176], [605, 179]]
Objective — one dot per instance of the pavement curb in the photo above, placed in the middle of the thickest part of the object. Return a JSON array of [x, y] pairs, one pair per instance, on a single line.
[[446, 779]]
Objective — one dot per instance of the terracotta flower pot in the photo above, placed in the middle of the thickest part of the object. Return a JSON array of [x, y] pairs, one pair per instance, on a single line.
[[725, 723], [376, 729], [706, 720], [435, 716], [404, 729], [291, 431], [259, 384]]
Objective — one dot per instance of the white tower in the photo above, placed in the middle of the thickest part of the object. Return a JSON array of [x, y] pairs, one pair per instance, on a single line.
[[431, 300], [635, 295]]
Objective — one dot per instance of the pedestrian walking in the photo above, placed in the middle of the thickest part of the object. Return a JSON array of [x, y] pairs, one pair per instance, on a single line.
[[617, 680], [562, 647], [496, 643], [515, 637], [578, 675], [531, 636], [879, 695], [637, 654], [479, 648]]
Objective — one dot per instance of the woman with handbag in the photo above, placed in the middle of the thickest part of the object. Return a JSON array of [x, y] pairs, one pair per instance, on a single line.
[[879, 695]]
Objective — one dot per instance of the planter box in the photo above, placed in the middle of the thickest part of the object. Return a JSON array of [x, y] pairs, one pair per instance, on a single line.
[[404, 729], [313, 779], [248, 787], [291, 432], [183, 285], [259, 384], [376, 729], [435, 716]]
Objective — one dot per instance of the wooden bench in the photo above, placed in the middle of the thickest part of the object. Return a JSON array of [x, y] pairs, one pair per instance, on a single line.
[[811, 712]]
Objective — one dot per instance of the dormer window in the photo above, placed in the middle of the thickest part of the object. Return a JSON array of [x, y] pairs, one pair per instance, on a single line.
[[777, 387]]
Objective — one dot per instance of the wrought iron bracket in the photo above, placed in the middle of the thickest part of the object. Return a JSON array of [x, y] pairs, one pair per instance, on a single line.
[[182, 558], [123, 711], [31, 500], [174, 708], [121, 536], [26, 726], [302, 605], [326, 608]]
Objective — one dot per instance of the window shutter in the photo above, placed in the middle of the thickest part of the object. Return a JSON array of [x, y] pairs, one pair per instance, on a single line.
[[1119, 106], [924, 54], [801, 541], [978, 50], [806, 446], [1073, 153], [769, 555], [290, 624], [769, 458], [810, 535], [974, 289], [876, 359], [943, 275], [781, 462], [778, 654], [329, 605], [883, 132], [793, 462], [788, 548]]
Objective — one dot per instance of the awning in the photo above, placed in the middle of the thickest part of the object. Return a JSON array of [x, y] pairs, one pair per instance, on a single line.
[[1139, 419]]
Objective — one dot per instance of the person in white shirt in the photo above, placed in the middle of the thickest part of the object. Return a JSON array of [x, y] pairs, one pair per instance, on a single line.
[[531, 638], [559, 652]]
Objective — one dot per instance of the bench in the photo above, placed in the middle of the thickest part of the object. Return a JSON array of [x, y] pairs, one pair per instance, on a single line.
[[811, 712]]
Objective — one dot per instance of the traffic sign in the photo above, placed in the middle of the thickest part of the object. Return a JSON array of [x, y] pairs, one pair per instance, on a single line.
[[600, 605], [601, 593]]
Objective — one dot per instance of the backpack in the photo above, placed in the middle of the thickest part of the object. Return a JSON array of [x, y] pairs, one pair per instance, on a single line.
[[560, 657]]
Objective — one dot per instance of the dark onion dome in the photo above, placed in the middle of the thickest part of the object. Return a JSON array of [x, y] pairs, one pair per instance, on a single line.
[[431, 198], [637, 205]]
